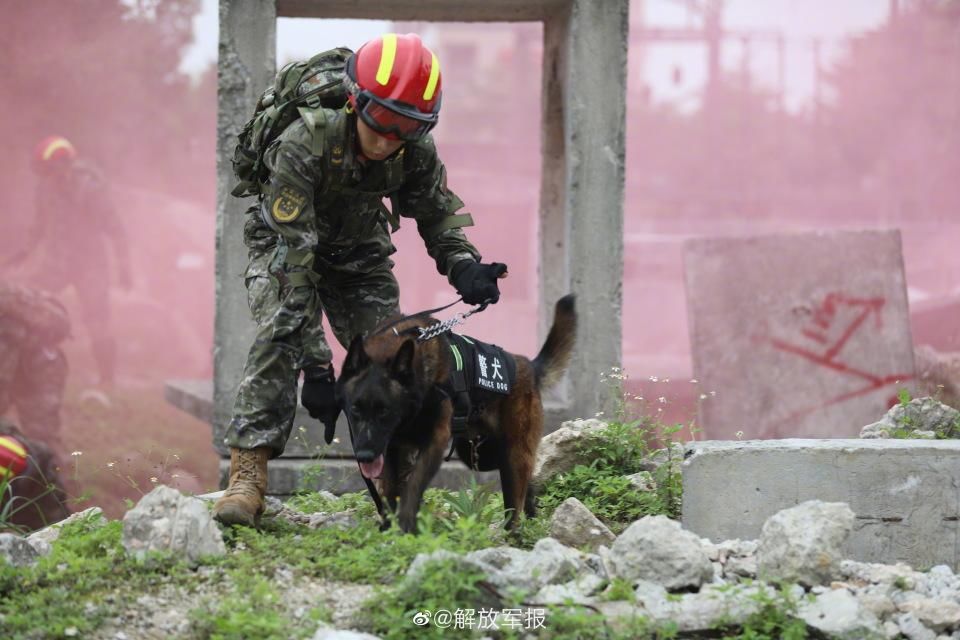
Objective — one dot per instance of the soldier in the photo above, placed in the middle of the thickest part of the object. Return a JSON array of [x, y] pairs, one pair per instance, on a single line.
[[31, 492], [33, 370], [319, 241], [76, 224]]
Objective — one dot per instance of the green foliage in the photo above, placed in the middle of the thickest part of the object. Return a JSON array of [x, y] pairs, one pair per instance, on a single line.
[[619, 589], [904, 396], [606, 492], [443, 585], [616, 452], [315, 502], [87, 563], [775, 620], [11, 504], [580, 623], [251, 610]]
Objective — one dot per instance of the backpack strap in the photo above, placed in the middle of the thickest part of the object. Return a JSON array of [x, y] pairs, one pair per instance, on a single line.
[[316, 122]]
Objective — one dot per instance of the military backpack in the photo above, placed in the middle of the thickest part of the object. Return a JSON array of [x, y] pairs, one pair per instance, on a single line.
[[307, 84]]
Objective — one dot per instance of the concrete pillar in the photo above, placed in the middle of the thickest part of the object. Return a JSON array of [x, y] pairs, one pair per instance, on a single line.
[[247, 65], [585, 53]]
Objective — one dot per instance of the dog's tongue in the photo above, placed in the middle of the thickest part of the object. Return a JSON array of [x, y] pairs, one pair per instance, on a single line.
[[373, 469]]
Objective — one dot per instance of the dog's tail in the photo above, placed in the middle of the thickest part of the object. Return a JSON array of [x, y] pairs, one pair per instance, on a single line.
[[554, 356]]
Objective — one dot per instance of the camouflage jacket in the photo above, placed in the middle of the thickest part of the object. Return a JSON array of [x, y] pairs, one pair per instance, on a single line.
[[327, 207], [31, 316]]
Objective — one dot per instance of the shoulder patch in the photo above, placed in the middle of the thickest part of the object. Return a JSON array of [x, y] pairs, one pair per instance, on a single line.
[[287, 204]]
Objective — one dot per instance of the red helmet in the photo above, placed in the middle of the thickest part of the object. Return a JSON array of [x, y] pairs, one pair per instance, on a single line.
[[393, 83], [53, 150], [13, 458]]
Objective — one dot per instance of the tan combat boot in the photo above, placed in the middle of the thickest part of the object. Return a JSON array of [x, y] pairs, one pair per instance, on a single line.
[[242, 502]]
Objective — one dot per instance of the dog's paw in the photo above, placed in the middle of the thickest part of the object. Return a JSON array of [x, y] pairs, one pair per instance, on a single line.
[[408, 523]]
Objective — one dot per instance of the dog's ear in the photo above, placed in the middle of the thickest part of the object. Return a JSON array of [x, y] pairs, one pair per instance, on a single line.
[[356, 357], [403, 361]]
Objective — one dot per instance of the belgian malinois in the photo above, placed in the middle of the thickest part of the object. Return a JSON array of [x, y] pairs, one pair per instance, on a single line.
[[395, 392]]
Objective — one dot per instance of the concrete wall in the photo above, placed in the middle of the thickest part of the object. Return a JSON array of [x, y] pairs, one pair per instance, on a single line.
[[246, 66], [905, 493], [585, 53]]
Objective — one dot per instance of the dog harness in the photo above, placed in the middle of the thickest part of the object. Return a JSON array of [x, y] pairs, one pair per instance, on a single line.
[[479, 368]]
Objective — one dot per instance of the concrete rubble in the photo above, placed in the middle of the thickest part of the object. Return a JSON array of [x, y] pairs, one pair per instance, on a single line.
[[697, 585]]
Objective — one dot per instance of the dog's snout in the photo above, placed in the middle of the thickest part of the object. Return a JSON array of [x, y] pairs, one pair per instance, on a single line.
[[365, 455]]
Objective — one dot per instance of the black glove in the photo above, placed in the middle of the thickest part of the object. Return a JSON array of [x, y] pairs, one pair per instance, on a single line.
[[477, 282], [319, 399]]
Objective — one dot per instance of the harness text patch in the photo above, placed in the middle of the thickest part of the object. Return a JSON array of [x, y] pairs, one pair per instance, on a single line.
[[491, 368]]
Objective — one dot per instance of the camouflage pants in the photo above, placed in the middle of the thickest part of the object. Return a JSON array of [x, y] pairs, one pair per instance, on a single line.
[[290, 337], [32, 379]]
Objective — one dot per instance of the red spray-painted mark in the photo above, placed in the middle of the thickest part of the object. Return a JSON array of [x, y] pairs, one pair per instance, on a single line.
[[834, 309]]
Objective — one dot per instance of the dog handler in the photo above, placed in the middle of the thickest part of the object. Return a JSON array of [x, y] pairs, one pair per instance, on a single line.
[[319, 241]]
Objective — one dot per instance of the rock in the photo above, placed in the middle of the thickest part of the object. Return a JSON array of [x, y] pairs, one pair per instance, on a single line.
[[938, 615], [578, 590], [643, 481], [657, 549], [875, 430], [883, 574], [912, 628], [166, 520], [342, 519], [559, 451], [838, 613], [548, 563], [43, 539], [921, 417], [714, 607], [574, 525], [802, 543], [16, 551]]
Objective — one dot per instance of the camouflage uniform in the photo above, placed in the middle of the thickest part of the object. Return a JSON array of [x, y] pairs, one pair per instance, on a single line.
[[319, 241], [77, 224], [33, 370]]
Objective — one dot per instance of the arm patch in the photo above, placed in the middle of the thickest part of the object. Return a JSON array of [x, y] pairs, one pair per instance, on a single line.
[[288, 203]]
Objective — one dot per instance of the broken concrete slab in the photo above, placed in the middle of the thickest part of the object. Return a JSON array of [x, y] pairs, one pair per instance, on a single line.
[[905, 493], [799, 335]]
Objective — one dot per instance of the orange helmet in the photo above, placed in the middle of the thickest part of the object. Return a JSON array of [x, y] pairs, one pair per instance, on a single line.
[[13, 458], [393, 83], [53, 150]]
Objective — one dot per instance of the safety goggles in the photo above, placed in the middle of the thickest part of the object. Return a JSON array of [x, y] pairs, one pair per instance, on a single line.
[[394, 120], [391, 118]]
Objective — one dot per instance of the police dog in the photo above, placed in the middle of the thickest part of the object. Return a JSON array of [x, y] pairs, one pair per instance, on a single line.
[[394, 391]]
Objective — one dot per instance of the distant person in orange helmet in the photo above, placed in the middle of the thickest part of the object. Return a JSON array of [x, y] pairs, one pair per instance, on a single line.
[[32, 495], [33, 369], [75, 226]]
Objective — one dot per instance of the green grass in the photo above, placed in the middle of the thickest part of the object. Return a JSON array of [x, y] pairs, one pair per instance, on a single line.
[[602, 486]]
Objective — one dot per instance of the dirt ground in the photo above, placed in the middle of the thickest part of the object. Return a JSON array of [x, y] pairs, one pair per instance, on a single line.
[[122, 441]]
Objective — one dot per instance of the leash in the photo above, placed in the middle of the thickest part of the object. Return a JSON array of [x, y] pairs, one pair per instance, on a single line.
[[428, 333], [434, 330], [377, 500]]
